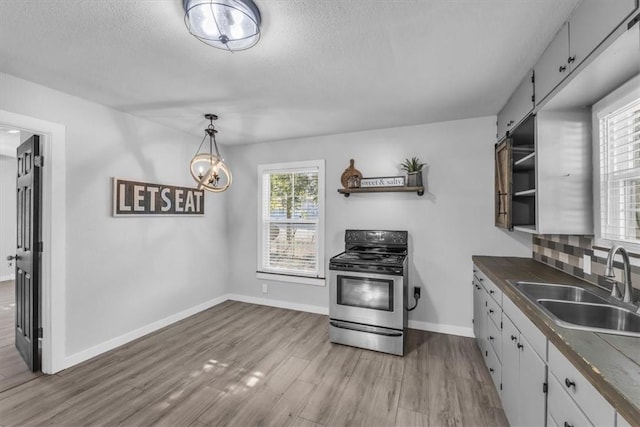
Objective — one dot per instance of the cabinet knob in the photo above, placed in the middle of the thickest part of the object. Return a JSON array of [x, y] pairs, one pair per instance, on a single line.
[[566, 424], [513, 337], [520, 346], [569, 383], [490, 311], [562, 68], [571, 59], [492, 292], [491, 370], [491, 338]]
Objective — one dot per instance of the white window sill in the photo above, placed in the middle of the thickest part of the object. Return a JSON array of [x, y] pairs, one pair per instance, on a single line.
[[291, 279]]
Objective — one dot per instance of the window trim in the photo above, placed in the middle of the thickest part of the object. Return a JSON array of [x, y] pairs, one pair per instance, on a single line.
[[316, 280], [618, 98]]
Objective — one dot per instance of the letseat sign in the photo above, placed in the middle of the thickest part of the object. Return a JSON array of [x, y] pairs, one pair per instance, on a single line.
[[133, 198]]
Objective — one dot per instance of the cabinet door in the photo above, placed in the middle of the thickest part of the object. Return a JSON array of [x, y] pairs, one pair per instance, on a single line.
[[479, 315], [552, 66], [533, 374], [592, 22], [503, 159], [510, 370], [517, 107]]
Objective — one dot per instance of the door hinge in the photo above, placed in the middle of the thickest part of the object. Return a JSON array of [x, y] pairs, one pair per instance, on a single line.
[[533, 77], [545, 388], [40, 247], [500, 386], [501, 325], [633, 22], [39, 332], [38, 161], [533, 98]]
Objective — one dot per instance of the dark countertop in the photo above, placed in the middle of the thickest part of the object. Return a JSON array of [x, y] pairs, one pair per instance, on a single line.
[[610, 362]]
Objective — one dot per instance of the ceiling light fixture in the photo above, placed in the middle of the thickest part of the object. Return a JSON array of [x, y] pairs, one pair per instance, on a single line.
[[225, 24], [209, 169]]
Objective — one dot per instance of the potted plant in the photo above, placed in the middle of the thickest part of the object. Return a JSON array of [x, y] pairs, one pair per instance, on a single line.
[[414, 171]]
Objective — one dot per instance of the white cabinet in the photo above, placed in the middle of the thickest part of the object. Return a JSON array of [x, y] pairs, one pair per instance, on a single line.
[[552, 66], [576, 388], [551, 173], [479, 314], [517, 107], [487, 316], [589, 25], [523, 378]]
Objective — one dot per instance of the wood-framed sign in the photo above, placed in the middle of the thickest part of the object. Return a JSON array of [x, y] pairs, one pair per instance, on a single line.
[[383, 181], [135, 198]]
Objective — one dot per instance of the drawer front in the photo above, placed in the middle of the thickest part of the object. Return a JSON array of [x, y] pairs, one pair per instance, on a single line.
[[526, 327], [562, 409], [495, 368], [494, 336], [599, 411], [492, 289], [494, 312]]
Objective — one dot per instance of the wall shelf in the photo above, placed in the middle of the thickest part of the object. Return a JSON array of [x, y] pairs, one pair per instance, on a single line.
[[348, 191]]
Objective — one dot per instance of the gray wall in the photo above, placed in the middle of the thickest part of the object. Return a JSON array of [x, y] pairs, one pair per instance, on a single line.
[[7, 214], [449, 224], [124, 273]]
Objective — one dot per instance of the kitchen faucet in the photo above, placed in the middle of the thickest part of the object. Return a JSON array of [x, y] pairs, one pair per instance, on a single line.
[[608, 272]]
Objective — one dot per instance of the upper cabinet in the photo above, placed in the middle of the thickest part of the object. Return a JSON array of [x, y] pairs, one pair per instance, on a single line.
[[517, 107], [589, 25]]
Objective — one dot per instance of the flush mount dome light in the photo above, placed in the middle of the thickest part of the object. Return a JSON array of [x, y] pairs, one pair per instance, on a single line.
[[209, 169], [226, 24]]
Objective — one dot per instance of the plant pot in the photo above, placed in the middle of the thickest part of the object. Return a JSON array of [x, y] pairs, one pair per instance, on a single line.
[[414, 179]]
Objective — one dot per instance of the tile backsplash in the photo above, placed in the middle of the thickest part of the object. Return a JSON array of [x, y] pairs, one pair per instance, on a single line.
[[566, 253]]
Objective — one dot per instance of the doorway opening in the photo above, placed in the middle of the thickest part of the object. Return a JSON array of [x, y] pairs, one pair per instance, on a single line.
[[53, 259], [13, 369]]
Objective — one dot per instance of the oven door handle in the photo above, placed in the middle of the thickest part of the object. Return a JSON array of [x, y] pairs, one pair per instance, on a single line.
[[353, 328]]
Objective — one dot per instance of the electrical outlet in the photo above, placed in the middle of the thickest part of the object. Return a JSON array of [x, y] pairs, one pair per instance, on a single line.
[[586, 264], [265, 288], [416, 292]]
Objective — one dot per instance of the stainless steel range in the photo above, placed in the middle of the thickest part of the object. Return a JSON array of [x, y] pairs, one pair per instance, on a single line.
[[368, 290]]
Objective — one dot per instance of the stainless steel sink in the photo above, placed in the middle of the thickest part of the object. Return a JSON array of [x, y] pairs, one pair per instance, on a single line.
[[537, 291], [603, 318]]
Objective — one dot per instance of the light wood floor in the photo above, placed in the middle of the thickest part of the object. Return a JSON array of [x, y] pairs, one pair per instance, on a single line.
[[13, 370], [240, 364]]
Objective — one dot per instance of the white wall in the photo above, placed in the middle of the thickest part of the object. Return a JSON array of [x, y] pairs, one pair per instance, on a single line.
[[124, 273], [449, 224], [7, 215]]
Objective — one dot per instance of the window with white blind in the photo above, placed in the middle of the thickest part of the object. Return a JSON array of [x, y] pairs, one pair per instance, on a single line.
[[291, 222], [617, 120]]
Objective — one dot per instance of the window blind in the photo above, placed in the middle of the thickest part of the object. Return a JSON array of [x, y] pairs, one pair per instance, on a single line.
[[620, 174], [290, 221]]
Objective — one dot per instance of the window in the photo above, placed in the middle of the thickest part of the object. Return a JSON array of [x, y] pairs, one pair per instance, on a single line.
[[291, 222], [617, 180]]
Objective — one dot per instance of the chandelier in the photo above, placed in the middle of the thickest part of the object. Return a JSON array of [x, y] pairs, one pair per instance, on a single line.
[[209, 169]]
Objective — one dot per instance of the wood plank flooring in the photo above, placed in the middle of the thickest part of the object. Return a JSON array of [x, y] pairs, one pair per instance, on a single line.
[[13, 370], [240, 364]]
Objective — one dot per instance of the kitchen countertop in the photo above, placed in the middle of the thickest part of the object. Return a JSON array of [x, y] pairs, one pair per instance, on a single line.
[[610, 362]]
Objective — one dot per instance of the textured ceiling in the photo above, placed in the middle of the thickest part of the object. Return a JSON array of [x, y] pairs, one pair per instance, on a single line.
[[321, 67]]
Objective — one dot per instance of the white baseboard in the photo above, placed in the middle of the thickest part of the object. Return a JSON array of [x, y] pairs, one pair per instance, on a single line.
[[87, 354], [280, 304], [11, 276], [444, 329]]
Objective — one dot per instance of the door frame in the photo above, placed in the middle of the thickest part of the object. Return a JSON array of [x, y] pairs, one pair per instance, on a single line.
[[53, 298]]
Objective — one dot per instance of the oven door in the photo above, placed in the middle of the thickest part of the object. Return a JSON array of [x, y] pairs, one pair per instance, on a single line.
[[367, 298]]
